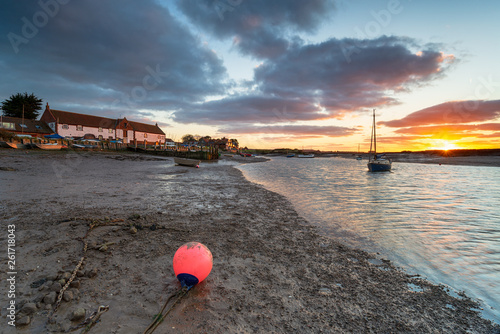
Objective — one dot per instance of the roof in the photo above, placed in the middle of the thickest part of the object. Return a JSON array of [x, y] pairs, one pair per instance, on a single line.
[[141, 127], [66, 117], [32, 126]]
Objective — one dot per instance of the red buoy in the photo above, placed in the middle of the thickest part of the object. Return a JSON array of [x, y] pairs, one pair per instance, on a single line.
[[192, 263]]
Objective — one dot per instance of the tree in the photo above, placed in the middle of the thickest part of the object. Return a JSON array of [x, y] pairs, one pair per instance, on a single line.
[[187, 138], [13, 106]]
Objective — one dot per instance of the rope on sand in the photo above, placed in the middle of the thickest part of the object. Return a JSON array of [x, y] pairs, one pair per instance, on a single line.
[[160, 316]]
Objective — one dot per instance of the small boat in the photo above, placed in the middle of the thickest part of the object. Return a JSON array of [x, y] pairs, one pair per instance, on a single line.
[[377, 162], [305, 156], [187, 162], [50, 146], [6, 144], [291, 155], [359, 157]]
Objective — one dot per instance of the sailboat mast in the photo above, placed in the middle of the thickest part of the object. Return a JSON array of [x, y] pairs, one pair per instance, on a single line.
[[374, 135]]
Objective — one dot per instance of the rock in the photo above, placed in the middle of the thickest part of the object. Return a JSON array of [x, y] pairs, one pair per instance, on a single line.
[[39, 305], [50, 298], [91, 273], [56, 286], [52, 277], [23, 321], [48, 307], [77, 314], [38, 283], [75, 284], [80, 273], [28, 308], [68, 296], [65, 276], [62, 281], [133, 230]]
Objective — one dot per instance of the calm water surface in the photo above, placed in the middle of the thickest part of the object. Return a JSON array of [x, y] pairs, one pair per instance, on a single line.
[[442, 222]]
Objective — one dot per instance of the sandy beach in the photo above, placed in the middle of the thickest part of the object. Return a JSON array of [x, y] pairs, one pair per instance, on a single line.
[[272, 273]]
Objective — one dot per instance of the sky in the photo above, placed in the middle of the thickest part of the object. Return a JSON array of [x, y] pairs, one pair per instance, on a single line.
[[274, 74]]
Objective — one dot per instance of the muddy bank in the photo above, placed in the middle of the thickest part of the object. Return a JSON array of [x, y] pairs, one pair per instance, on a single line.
[[272, 273]]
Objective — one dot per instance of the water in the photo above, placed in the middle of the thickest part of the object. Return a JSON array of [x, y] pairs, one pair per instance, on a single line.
[[442, 222]]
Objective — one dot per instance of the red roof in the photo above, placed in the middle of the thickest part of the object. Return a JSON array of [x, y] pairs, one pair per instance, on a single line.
[[142, 127], [31, 125], [65, 117]]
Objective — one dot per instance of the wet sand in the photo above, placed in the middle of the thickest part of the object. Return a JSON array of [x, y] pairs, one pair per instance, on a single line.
[[273, 272]]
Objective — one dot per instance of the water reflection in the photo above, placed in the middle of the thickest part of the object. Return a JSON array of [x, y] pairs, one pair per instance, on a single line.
[[440, 221]]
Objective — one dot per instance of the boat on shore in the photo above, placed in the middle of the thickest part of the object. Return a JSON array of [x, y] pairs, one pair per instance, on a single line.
[[305, 156], [49, 146], [291, 155], [377, 162], [187, 162], [6, 144]]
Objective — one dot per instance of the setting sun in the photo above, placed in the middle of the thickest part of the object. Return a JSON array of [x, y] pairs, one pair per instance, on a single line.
[[444, 145]]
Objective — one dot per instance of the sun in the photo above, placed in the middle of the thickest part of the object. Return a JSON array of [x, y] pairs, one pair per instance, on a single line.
[[444, 145]]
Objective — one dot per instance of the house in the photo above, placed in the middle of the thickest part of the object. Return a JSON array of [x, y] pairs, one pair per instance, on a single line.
[[170, 143], [75, 125], [130, 132], [24, 127]]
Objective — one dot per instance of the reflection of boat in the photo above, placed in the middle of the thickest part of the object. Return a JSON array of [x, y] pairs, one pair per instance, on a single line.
[[305, 156], [187, 162], [377, 162], [49, 146]]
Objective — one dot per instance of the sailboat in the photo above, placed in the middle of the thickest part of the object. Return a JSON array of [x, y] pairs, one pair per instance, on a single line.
[[359, 156], [377, 162]]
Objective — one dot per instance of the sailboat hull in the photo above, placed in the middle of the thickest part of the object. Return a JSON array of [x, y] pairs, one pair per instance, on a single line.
[[379, 166]]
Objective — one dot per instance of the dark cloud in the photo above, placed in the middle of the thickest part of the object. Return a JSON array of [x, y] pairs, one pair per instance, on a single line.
[[296, 130], [261, 28], [453, 112], [314, 82], [90, 51]]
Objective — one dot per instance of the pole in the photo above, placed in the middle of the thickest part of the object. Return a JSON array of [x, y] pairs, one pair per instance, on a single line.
[[374, 135], [22, 126]]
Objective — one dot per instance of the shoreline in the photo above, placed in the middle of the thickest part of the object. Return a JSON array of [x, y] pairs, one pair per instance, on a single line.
[[272, 272]]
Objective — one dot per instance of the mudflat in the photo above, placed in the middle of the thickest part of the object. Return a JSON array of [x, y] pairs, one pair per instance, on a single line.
[[272, 271]]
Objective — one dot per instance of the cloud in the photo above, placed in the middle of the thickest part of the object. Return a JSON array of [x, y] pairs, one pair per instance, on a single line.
[[97, 52], [260, 28], [316, 82], [454, 112], [309, 131]]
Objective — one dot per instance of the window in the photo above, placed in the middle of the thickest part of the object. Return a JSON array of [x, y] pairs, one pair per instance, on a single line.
[[100, 130], [38, 127], [65, 126], [23, 125], [145, 135], [110, 130], [7, 125], [79, 128]]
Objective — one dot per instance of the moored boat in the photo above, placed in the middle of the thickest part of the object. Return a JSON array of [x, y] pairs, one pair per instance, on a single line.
[[7, 144], [187, 162], [50, 146], [305, 156], [377, 162]]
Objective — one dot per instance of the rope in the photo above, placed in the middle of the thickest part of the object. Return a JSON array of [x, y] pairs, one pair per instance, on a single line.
[[160, 316]]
